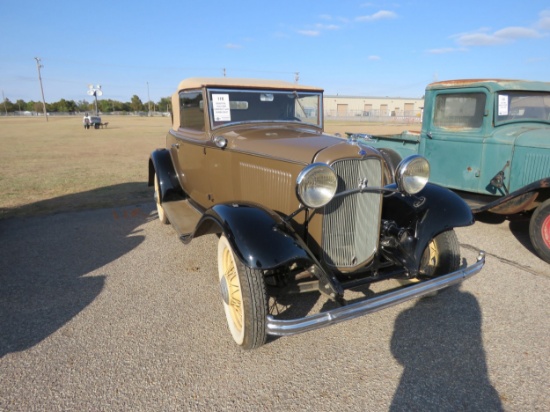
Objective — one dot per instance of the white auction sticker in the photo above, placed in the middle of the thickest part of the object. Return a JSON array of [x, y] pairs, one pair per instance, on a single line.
[[503, 105], [220, 104]]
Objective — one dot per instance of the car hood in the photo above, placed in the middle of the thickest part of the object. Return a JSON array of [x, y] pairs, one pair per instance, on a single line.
[[289, 143]]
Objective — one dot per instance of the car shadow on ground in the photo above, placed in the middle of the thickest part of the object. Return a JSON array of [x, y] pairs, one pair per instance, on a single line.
[[130, 193], [439, 344], [518, 225], [45, 263]]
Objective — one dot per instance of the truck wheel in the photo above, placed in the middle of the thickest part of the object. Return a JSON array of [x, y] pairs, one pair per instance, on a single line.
[[244, 298], [441, 256], [539, 230], [160, 210]]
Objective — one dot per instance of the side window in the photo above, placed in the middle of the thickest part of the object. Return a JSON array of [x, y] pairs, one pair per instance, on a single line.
[[459, 110], [191, 110]]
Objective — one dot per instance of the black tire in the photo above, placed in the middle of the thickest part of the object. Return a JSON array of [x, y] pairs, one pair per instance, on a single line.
[[442, 255], [539, 231], [160, 210], [244, 298]]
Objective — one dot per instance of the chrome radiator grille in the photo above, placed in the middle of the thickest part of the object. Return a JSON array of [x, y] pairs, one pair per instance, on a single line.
[[351, 224]]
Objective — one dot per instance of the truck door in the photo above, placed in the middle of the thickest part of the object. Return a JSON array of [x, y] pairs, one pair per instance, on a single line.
[[453, 140]]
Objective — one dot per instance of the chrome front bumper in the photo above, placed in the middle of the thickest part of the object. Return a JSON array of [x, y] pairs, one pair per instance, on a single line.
[[285, 327]]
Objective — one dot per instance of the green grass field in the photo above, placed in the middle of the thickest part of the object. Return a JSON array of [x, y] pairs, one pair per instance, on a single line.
[[58, 166]]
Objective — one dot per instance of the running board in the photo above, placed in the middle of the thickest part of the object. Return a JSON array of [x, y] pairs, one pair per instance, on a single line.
[[285, 327], [183, 216]]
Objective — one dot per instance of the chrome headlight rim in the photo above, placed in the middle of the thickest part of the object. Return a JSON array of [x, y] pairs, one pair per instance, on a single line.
[[316, 185], [412, 174]]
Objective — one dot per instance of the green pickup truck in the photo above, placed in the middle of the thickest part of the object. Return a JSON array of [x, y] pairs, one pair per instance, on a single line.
[[488, 140]]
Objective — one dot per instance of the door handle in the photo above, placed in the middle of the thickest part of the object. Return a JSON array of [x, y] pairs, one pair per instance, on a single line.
[[175, 145]]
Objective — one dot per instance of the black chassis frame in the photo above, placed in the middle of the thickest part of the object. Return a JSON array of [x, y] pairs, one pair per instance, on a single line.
[[264, 240]]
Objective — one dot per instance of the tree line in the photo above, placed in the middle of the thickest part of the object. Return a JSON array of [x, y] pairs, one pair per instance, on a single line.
[[70, 106]]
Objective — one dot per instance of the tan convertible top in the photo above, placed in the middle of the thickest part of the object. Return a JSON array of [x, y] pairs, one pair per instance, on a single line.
[[198, 82]]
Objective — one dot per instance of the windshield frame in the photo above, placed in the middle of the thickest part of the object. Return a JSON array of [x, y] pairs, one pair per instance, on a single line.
[[225, 112]]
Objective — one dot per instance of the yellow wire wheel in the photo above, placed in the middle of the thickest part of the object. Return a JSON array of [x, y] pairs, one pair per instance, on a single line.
[[244, 298], [441, 256], [160, 210]]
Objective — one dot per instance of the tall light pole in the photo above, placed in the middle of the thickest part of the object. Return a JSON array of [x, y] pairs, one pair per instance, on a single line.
[[95, 91], [39, 66]]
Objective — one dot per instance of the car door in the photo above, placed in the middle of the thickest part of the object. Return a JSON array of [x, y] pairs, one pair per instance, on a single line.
[[454, 140], [187, 147]]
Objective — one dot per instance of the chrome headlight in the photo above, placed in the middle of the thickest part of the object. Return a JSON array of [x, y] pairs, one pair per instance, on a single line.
[[316, 185], [412, 174]]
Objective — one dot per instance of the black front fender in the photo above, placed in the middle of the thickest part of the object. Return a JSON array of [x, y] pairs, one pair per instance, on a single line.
[[262, 240], [432, 211]]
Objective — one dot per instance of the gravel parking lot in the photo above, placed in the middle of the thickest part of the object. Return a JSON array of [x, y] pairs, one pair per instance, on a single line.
[[106, 310]]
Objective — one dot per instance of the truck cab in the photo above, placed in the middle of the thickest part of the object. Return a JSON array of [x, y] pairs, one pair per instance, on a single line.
[[488, 140]]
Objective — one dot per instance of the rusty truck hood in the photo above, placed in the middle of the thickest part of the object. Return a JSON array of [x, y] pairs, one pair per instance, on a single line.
[[531, 135]]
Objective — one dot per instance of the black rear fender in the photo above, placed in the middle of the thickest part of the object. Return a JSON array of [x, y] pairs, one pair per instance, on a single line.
[[160, 163]]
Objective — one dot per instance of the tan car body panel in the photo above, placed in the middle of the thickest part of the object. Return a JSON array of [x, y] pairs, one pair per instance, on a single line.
[[257, 164]]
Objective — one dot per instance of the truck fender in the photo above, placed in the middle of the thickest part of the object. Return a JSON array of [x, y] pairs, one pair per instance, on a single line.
[[519, 201], [262, 240], [435, 209], [160, 163]]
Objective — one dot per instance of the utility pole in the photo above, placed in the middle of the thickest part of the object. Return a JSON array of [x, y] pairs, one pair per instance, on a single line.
[[39, 66], [148, 100], [4, 100]]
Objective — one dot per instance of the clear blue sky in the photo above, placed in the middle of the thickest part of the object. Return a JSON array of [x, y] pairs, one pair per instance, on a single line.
[[358, 48]]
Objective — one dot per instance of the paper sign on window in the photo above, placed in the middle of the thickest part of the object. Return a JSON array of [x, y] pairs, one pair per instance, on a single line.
[[502, 105], [220, 104]]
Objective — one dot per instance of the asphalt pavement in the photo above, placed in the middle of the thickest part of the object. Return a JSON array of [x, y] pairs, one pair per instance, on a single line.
[[107, 310]]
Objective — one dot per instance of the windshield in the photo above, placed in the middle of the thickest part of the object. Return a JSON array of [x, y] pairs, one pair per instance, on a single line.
[[229, 106], [523, 106]]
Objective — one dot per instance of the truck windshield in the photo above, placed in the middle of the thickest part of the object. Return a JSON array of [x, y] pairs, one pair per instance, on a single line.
[[229, 106], [523, 106]]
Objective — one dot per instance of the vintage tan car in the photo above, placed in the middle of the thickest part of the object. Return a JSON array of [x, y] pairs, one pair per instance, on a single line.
[[296, 209]]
